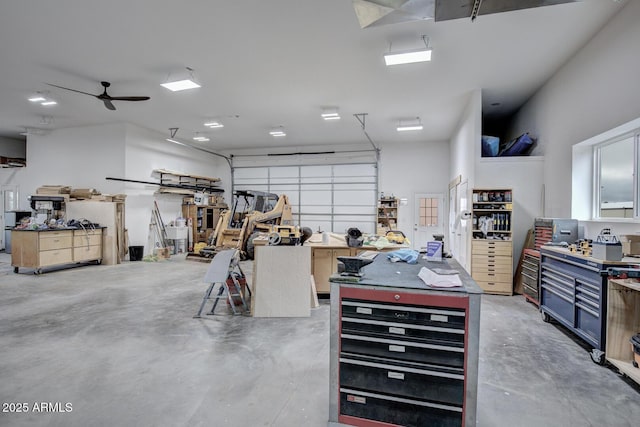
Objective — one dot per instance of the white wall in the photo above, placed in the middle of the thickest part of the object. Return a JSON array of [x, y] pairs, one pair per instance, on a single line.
[[465, 148], [407, 169], [146, 151], [524, 176], [465, 141], [598, 89], [84, 157], [78, 157]]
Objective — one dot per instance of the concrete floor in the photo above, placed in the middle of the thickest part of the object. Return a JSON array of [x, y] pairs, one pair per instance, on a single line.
[[120, 345]]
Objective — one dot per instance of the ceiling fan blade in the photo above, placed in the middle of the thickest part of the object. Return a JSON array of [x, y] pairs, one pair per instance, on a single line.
[[72, 90], [108, 104], [129, 98]]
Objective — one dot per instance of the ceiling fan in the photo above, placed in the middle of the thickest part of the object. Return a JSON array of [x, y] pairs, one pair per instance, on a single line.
[[105, 97]]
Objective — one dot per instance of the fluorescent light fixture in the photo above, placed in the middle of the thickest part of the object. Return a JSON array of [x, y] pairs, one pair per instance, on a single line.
[[179, 85], [214, 125], [48, 102], [411, 127], [183, 82], [330, 114], [37, 98], [407, 56]]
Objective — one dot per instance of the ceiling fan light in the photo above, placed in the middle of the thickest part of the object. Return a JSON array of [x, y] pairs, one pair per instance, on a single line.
[[179, 85], [407, 56]]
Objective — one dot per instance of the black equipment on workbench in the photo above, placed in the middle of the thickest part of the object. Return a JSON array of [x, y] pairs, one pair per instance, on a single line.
[[350, 269]]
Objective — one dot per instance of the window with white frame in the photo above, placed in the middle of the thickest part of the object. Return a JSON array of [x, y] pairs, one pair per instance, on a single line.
[[605, 175], [616, 177]]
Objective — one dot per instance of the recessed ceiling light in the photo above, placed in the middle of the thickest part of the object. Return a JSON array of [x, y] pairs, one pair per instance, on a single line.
[[279, 131], [201, 138]]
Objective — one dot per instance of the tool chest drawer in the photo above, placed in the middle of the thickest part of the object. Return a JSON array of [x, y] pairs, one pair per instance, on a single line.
[[446, 385], [406, 314], [395, 330], [530, 275], [397, 410], [437, 352]]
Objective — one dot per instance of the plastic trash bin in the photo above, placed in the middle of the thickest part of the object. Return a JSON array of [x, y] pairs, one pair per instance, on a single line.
[[136, 253]]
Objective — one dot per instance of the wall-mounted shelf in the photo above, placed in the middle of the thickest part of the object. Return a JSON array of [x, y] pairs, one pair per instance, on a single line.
[[182, 183]]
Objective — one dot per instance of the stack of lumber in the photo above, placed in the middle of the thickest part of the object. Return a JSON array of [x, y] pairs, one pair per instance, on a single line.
[[53, 190]]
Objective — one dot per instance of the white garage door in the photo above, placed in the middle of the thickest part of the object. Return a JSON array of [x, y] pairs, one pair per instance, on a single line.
[[324, 197]]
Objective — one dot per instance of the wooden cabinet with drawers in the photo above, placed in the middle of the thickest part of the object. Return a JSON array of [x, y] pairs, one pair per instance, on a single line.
[[37, 249], [491, 246], [492, 265], [402, 354]]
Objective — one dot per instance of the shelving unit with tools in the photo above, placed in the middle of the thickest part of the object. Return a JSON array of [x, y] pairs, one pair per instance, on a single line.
[[387, 214]]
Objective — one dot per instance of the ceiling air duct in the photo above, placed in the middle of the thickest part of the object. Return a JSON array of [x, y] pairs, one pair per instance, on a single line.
[[372, 13], [455, 9]]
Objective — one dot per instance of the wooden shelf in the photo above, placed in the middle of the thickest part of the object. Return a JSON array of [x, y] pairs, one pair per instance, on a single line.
[[387, 214], [182, 183]]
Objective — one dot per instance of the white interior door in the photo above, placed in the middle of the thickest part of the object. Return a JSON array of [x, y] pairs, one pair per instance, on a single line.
[[428, 218], [464, 227], [8, 202], [454, 211]]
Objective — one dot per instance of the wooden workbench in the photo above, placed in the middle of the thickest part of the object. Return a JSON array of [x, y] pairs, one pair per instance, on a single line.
[[324, 257]]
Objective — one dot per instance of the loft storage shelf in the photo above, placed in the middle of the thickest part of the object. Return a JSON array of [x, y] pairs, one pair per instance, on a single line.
[[182, 183], [12, 162]]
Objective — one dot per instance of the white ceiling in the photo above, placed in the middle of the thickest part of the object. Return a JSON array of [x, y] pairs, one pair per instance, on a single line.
[[269, 63]]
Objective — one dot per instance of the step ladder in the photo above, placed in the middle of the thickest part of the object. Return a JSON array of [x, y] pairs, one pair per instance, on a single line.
[[224, 272]]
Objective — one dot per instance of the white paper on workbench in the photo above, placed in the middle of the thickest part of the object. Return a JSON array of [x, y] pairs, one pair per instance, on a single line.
[[439, 280]]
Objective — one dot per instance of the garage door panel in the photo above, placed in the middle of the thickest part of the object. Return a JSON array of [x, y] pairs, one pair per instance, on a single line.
[[331, 197]]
